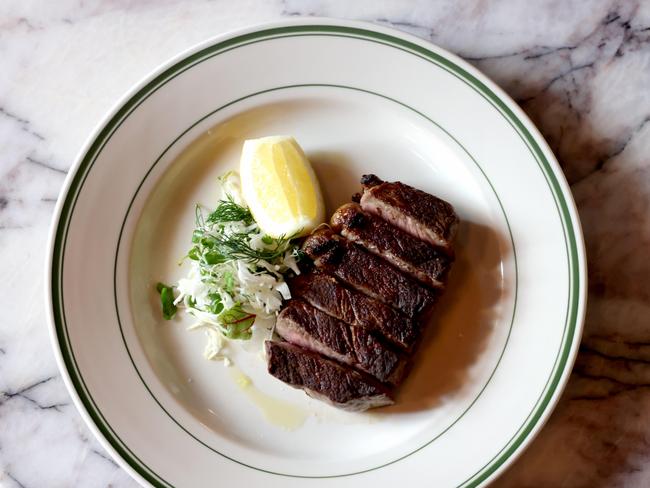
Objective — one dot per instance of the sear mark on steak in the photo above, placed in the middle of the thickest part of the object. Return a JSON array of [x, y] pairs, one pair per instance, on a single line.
[[413, 256], [326, 293], [314, 330], [325, 379], [368, 273], [419, 213], [368, 181]]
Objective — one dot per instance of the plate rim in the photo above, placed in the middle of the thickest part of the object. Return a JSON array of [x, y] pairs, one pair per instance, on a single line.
[[540, 412]]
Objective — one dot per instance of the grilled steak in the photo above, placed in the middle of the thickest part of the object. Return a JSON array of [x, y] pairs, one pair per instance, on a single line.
[[368, 273], [312, 329], [413, 256], [359, 305], [325, 379], [326, 293], [420, 214]]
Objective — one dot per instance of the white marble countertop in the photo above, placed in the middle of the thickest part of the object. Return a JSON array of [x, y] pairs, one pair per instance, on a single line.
[[580, 69]]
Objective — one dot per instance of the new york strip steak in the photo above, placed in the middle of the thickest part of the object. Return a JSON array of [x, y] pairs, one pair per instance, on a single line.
[[356, 316]]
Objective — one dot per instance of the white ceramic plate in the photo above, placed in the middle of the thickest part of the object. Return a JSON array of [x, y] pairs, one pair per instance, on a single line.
[[359, 99]]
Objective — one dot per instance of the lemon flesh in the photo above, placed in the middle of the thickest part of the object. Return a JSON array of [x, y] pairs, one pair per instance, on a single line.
[[280, 186]]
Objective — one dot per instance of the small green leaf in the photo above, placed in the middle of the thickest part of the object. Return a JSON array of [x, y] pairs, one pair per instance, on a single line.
[[237, 322], [216, 307], [207, 241], [214, 257], [229, 281], [166, 300], [194, 253], [268, 240], [243, 335]]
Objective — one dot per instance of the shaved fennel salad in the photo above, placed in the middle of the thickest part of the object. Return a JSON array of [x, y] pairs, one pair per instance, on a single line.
[[236, 272]]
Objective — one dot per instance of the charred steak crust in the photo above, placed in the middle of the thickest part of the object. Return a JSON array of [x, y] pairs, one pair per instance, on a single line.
[[368, 273], [327, 294], [341, 385], [312, 329], [368, 181], [419, 213], [358, 290], [413, 256]]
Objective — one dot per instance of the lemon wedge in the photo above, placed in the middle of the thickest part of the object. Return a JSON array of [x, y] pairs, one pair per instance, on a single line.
[[280, 186]]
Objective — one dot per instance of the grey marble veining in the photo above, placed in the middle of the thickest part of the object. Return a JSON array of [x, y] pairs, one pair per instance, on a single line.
[[580, 69]]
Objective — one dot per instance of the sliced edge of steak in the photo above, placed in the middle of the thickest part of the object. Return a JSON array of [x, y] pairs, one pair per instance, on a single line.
[[415, 257], [327, 294], [368, 273], [310, 328], [324, 379], [419, 213]]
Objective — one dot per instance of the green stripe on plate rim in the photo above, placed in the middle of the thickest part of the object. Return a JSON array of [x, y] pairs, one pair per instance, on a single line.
[[77, 180]]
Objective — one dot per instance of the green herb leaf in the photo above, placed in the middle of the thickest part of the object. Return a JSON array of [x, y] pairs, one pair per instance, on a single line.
[[229, 211], [237, 246], [268, 240], [237, 322], [166, 300], [229, 281], [194, 253], [214, 257], [216, 307]]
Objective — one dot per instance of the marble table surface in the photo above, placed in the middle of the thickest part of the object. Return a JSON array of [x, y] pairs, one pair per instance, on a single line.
[[580, 69]]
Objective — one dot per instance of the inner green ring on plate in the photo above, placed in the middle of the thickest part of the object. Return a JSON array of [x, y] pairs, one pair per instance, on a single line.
[[104, 134], [261, 93]]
